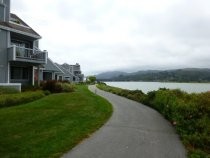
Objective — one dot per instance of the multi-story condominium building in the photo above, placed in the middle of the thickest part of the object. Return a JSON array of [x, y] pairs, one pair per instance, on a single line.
[[20, 55], [52, 72], [75, 70], [55, 71], [68, 76]]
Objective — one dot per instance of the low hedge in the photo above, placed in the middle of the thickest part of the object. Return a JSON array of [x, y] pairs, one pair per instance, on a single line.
[[7, 100], [7, 90], [57, 86], [188, 113]]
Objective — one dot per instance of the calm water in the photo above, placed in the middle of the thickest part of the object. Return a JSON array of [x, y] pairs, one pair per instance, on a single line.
[[150, 86]]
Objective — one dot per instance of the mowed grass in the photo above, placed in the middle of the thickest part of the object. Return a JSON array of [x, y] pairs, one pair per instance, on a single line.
[[52, 125]]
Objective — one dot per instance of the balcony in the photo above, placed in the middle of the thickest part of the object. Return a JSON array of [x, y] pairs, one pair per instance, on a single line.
[[22, 54]]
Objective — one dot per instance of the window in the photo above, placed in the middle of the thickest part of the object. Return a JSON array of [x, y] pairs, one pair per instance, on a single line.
[[20, 43], [60, 78], [47, 76], [19, 73]]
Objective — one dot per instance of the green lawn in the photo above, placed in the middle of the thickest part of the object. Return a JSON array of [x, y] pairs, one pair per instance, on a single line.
[[52, 125]]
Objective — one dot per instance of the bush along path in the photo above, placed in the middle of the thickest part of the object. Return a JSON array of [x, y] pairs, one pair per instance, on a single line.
[[134, 131], [188, 113], [51, 126]]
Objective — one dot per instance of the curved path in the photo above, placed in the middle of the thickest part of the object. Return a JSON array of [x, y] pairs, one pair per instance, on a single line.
[[133, 131]]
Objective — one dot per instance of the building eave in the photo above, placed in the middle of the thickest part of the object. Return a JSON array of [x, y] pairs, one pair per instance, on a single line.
[[20, 32]]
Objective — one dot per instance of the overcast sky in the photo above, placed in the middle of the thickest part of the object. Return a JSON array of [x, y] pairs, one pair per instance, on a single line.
[[128, 35]]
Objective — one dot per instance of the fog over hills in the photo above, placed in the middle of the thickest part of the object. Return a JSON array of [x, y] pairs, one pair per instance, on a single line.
[[110, 74], [176, 75]]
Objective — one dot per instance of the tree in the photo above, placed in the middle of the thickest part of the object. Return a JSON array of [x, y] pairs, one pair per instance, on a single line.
[[91, 79]]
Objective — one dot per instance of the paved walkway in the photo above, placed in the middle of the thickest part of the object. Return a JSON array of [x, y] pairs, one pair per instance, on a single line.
[[134, 131]]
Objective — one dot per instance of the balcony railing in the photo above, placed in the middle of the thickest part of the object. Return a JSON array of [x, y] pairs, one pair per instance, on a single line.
[[26, 54]]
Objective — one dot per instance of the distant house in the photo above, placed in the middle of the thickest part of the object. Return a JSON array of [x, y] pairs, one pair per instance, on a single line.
[[52, 72], [66, 74], [21, 60], [20, 55], [75, 70]]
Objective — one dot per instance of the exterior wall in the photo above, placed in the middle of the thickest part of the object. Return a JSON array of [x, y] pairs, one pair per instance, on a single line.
[[5, 42], [30, 75], [3, 56], [16, 86], [2, 12], [37, 75], [7, 7], [59, 76], [71, 79], [36, 44], [47, 76], [40, 74], [53, 76], [5, 10]]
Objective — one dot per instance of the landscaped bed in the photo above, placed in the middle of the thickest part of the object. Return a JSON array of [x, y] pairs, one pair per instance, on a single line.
[[7, 100], [189, 114], [12, 97], [51, 126]]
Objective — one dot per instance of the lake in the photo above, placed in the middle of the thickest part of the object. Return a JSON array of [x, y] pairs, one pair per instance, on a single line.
[[150, 86]]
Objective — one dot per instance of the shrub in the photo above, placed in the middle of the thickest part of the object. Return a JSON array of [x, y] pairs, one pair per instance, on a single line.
[[46, 92], [67, 87], [198, 154], [54, 86], [7, 90], [65, 81], [19, 98], [26, 88], [81, 83]]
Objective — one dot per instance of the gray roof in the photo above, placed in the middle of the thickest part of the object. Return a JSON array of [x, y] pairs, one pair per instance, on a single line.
[[19, 25], [51, 66]]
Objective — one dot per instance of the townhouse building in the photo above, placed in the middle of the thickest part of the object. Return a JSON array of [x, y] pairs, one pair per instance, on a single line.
[[21, 60], [20, 55], [76, 71]]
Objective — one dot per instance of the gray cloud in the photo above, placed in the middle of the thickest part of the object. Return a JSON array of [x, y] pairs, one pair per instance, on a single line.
[[122, 35]]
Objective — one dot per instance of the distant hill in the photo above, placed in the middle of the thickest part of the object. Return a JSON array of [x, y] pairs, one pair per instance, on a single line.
[[177, 75], [109, 75]]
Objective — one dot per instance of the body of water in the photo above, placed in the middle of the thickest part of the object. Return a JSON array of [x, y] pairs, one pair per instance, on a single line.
[[150, 86]]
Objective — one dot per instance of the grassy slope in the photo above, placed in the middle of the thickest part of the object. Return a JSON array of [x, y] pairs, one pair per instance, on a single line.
[[51, 126]]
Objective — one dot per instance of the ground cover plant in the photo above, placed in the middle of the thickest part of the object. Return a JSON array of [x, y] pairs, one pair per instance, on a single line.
[[188, 113], [51, 126], [7, 90], [12, 97], [57, 86], [7, 100]]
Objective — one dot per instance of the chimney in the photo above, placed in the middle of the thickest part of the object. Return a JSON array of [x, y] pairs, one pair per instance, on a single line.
[[4, 10]]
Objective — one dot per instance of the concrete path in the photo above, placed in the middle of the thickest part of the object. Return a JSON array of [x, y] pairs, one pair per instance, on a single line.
[[134, 131]]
